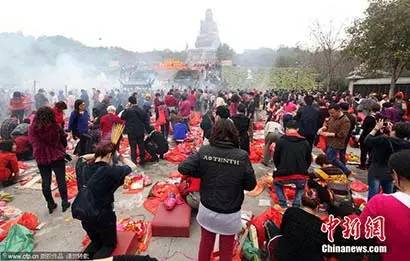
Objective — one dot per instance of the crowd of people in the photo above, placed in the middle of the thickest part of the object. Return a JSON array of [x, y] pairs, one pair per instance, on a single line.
[[296, 122]]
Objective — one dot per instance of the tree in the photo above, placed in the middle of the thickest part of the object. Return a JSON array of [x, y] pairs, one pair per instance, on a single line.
[[224, 52], [381, 40], [329, 42]]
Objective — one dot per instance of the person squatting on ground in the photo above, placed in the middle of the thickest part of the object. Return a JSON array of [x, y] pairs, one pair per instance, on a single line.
[[292, 158], [9, 168], [156, 144], [49, 143], [225, 172]]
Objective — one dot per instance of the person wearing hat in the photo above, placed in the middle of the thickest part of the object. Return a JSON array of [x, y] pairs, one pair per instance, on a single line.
[[394, 208]]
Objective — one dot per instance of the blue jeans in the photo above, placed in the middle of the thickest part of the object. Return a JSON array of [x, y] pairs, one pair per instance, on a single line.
[[300, 188], [374, 186], [332, 153]]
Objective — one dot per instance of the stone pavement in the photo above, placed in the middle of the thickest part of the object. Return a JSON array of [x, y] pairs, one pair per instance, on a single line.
[[63, 233]]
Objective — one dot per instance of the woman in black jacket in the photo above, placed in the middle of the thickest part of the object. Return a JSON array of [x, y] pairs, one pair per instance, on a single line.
[[104, 178], [382, 147], [225, 172]]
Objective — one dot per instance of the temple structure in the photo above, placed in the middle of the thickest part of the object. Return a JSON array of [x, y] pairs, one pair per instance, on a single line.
[[207, 42]]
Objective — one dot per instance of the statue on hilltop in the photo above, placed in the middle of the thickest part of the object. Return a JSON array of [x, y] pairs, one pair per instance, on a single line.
[[208, 36]]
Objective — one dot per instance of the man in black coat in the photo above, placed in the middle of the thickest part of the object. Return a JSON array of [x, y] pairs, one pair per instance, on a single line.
[[368, 124], [242, 125], [308, 118], [292, 159], [136, 122]]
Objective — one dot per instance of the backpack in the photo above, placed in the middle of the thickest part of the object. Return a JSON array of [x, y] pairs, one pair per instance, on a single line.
[[82, 170], [271, 230], [83, 207]]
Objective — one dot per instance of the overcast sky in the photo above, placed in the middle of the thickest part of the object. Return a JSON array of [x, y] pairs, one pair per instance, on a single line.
[[143, 25]]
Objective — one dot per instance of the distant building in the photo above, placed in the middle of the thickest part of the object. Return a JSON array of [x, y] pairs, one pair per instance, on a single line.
[[365, 86]]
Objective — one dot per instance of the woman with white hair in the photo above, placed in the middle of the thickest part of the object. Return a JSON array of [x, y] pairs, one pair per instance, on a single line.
[[107, 122]]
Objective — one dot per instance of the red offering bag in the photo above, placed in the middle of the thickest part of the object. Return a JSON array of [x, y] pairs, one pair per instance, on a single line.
[[259, 221], [151, 204], [322, 144], [359, 186], [195, 119], [4, 228], [29, 220], [259, 125]]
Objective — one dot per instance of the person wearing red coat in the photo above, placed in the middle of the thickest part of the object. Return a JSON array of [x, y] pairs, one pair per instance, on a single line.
[[9, 168], [58, 110], [192, 99], [17, 106], [49, 143], [170, 101], [107, 122]]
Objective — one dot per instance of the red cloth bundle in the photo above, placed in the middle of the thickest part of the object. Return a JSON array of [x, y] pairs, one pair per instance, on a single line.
[[259, 222], [256, 151]]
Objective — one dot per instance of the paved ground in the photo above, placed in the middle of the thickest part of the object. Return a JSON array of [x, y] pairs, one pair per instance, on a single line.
[[62, 233]]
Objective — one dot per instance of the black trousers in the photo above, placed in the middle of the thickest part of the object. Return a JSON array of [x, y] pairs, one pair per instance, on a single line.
[[25, 156], [310, 139], [19, 115], [59, 170], [364, 151], [102, 234], [134, 141]]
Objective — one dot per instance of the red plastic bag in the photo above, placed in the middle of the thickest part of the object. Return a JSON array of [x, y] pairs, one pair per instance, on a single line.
[[72, 190], [29, 220], [322, 144], [177, 154], [358, 186], [256, 151], [151, 204], [358, 201], [259, 125], [195, 119], [288, 191], [259, 221], [86, 240], [4, 228], [236, 253]]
